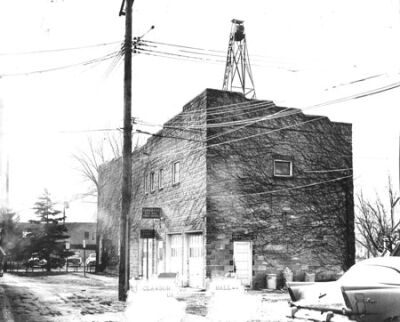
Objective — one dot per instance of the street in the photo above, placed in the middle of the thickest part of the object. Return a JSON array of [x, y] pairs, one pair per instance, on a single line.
[[60, 297], [36, 297]]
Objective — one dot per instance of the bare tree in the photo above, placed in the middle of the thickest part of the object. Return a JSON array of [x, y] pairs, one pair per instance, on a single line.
[[377, 223], [97, 153]]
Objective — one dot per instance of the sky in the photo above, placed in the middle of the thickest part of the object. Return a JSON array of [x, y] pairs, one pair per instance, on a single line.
[[303, 54]]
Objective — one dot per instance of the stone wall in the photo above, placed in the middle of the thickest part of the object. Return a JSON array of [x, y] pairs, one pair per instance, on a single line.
[[304, 222], [182, 204]]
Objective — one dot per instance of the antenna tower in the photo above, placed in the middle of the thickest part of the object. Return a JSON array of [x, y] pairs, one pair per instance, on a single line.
[[238, 74]]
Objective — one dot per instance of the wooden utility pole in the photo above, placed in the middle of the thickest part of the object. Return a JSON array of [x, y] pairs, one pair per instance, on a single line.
[[126, 189]]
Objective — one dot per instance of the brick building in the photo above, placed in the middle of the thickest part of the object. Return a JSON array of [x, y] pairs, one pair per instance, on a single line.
[[231, 184]]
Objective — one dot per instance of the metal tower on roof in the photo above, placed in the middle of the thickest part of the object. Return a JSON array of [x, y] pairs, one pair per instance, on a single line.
[[238, 76]]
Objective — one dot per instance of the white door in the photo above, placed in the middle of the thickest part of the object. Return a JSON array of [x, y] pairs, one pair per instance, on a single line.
[[195, 260], [175, 254], [242, 255], [147, 258]]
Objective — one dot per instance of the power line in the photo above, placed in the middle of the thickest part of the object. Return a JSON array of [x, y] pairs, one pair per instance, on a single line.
[[83, 63], [283, 190], [186, 56], [166, 136], [328, 171], [200, 51], [58, 49]]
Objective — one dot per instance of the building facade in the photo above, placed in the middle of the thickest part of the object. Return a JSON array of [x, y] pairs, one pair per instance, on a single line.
[[234, 185], [81, 233]]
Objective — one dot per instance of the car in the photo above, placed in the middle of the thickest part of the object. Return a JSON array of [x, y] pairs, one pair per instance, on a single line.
[[35, 262], [91, 260], [369, 292], [74, 261]]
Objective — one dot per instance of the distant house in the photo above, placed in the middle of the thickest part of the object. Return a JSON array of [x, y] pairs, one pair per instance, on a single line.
[[234, 185], [80, 231]]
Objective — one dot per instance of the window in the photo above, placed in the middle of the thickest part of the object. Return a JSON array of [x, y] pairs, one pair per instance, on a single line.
[[283, 168], [161, 179], [175, 172], [152, 177], [146, 184], [86, 235]]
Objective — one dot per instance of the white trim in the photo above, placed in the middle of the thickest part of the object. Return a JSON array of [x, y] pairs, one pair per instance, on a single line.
[[160, 178], [152, 181], [174, 172], [283, 175], [146, 184]]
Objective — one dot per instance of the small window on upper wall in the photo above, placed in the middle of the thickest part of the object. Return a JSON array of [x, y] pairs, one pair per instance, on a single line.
[[176, 172], [146, 184], [152, 179], [283, 168], [161, 179]]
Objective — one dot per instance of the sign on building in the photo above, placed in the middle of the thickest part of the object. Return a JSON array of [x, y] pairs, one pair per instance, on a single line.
[[151, 213], [147, 233]]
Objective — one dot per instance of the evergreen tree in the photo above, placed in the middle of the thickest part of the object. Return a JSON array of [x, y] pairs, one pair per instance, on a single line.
[[49, 241], [9, 235]]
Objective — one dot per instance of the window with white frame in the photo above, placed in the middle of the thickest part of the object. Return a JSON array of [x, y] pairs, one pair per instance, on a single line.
[[146, 184], [283, 168], [161, 179], [152, 183], [176, 172]]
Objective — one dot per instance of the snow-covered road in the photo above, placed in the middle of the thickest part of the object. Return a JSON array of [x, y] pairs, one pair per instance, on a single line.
[[65, 297]]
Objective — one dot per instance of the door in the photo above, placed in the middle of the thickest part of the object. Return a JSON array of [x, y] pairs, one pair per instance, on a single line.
[[242, 256], [175, 262], [195, 260], [147, 257]]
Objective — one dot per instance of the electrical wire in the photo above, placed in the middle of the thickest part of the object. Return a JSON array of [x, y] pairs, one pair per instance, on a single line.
[[328, 171], [192, 58], [58, 49], [83, 63], [202, 51], [166, 136], [282, 190], [265, 133]]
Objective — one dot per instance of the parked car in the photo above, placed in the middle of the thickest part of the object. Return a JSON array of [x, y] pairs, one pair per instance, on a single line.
[[74, 261], [91, 260], [369, 292], [35, 262]]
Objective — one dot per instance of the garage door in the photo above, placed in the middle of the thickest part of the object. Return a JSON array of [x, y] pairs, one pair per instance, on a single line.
[[195, 262], [175, 254], [242, 255]]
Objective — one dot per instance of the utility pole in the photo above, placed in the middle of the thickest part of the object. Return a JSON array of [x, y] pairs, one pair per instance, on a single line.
[[126, 189]]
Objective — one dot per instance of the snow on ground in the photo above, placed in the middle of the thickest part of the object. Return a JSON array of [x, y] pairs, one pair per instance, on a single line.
[[66, 297], [72, 297]]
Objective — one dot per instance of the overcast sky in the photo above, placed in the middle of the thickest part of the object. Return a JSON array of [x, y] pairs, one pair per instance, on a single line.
[[303, 53]]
